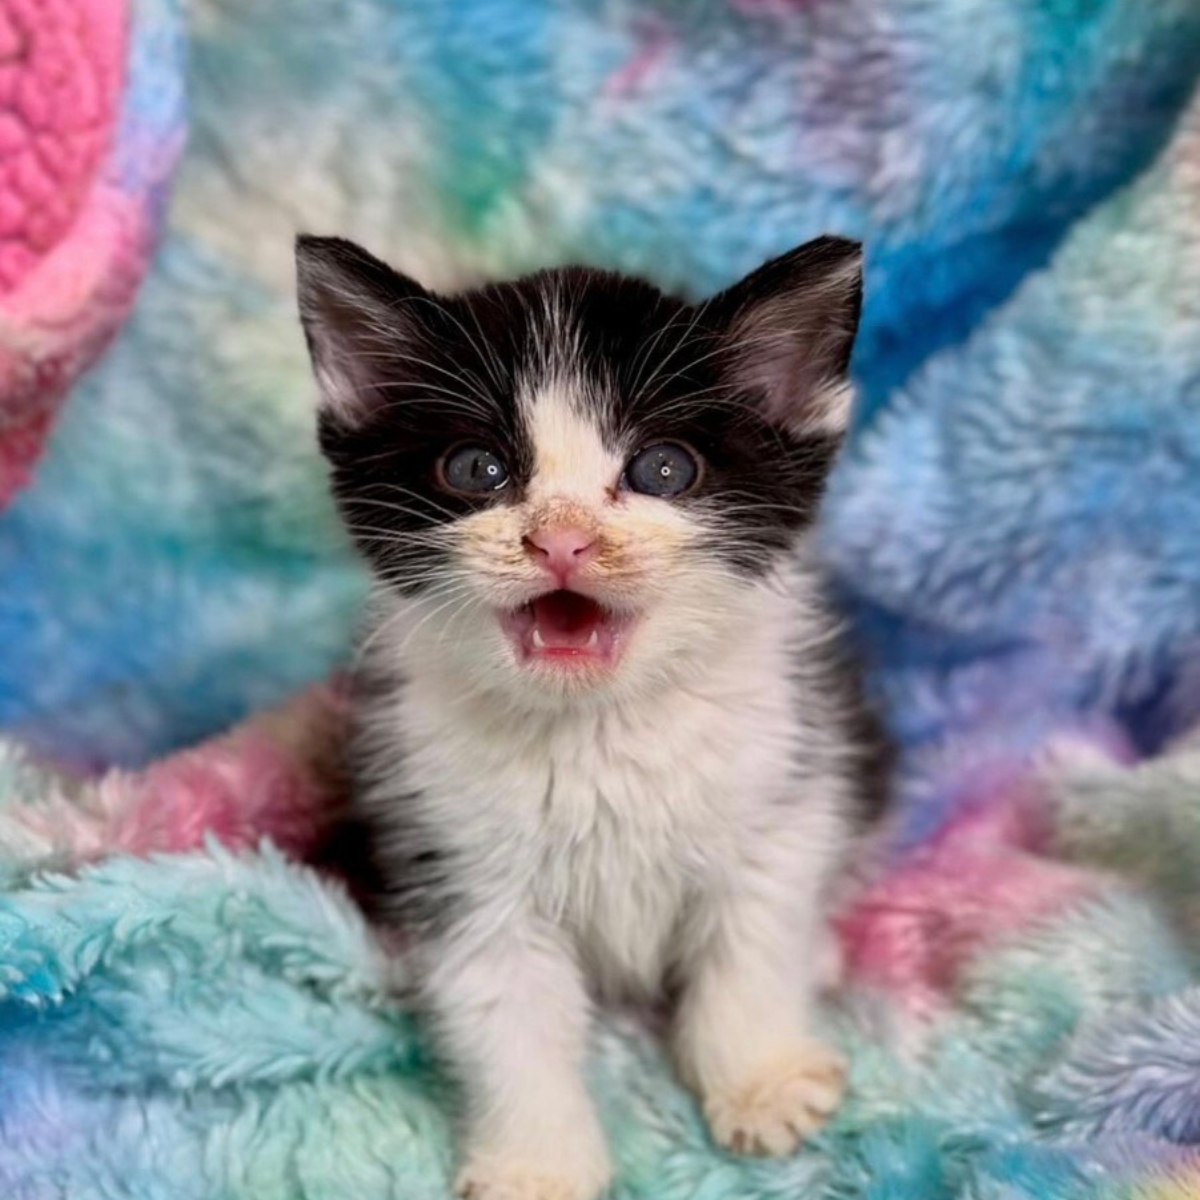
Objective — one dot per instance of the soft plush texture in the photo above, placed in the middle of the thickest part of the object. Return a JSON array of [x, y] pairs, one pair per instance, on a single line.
[[1020, 528], [1015, 529], [91, 123], [1021, 1006]]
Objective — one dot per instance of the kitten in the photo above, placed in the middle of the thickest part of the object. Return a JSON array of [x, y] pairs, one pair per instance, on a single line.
[[607, 741]]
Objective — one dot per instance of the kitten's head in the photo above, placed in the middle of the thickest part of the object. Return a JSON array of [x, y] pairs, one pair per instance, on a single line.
[[574, 484]]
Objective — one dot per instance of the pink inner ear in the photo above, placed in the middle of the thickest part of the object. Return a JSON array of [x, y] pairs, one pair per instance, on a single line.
[[798, 391]]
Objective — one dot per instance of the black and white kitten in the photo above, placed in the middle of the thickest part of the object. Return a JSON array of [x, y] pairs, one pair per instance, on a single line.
[[606, 738]]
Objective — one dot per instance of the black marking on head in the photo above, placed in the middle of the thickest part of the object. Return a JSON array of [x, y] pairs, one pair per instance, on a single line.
[[405, 376], [752, 380]]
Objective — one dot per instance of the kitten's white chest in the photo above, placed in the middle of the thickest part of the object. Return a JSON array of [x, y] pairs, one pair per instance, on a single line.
[[640, 819], [617, 824], [628, 832]]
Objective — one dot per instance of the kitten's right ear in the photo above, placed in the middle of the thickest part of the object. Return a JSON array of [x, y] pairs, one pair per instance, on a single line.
[[790, 327], [356, 312]]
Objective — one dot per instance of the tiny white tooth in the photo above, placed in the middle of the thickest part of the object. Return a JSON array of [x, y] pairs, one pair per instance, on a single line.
[[539, 643], [593, 642]]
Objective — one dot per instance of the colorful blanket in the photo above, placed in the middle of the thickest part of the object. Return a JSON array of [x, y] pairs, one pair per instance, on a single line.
[[91, 124], [188, 1010]]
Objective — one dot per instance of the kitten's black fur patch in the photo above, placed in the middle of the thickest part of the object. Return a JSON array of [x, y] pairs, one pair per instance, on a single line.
[[446, 370], [874, 753]]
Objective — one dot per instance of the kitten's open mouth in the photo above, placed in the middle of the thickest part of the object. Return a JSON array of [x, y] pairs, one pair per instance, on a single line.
[[566, 627]]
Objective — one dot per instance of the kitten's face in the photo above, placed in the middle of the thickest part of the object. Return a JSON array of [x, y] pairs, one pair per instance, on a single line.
[[574, 484]]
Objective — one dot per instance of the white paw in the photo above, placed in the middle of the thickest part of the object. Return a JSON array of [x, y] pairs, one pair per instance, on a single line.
[[784, 1103], [500, 1177]]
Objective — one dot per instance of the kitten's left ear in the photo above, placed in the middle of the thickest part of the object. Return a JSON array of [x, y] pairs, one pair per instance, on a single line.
[[358, 314], [790, 328]]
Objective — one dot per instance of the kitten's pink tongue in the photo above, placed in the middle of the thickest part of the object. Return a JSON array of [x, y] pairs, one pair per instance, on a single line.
[[565, 620]]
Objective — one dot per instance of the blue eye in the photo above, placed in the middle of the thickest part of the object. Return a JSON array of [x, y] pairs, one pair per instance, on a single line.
[[473, 469], [665, 469]]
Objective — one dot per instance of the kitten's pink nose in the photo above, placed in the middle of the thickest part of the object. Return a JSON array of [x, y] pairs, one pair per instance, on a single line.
[[561, 550]]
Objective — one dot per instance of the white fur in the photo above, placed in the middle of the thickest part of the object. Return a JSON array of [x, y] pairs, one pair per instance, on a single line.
[[681, 819]]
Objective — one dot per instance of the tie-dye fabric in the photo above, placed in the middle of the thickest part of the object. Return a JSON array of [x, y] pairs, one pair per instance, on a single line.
[[183, 1014], [1015, 528], [1020, 529]]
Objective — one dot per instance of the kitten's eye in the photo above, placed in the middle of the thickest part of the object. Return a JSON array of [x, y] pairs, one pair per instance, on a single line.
[[473, 469], [665, 469]]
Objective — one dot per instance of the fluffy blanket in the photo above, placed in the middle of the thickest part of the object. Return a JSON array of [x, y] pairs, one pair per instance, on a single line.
[[90, 126], [188, 1010]]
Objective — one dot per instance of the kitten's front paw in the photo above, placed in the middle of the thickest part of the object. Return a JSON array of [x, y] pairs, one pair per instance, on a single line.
[[496, 1177], [772, 1112]]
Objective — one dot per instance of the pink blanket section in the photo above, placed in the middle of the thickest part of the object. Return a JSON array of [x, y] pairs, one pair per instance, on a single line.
[[276, 776], [984, 876], [73, 244]]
